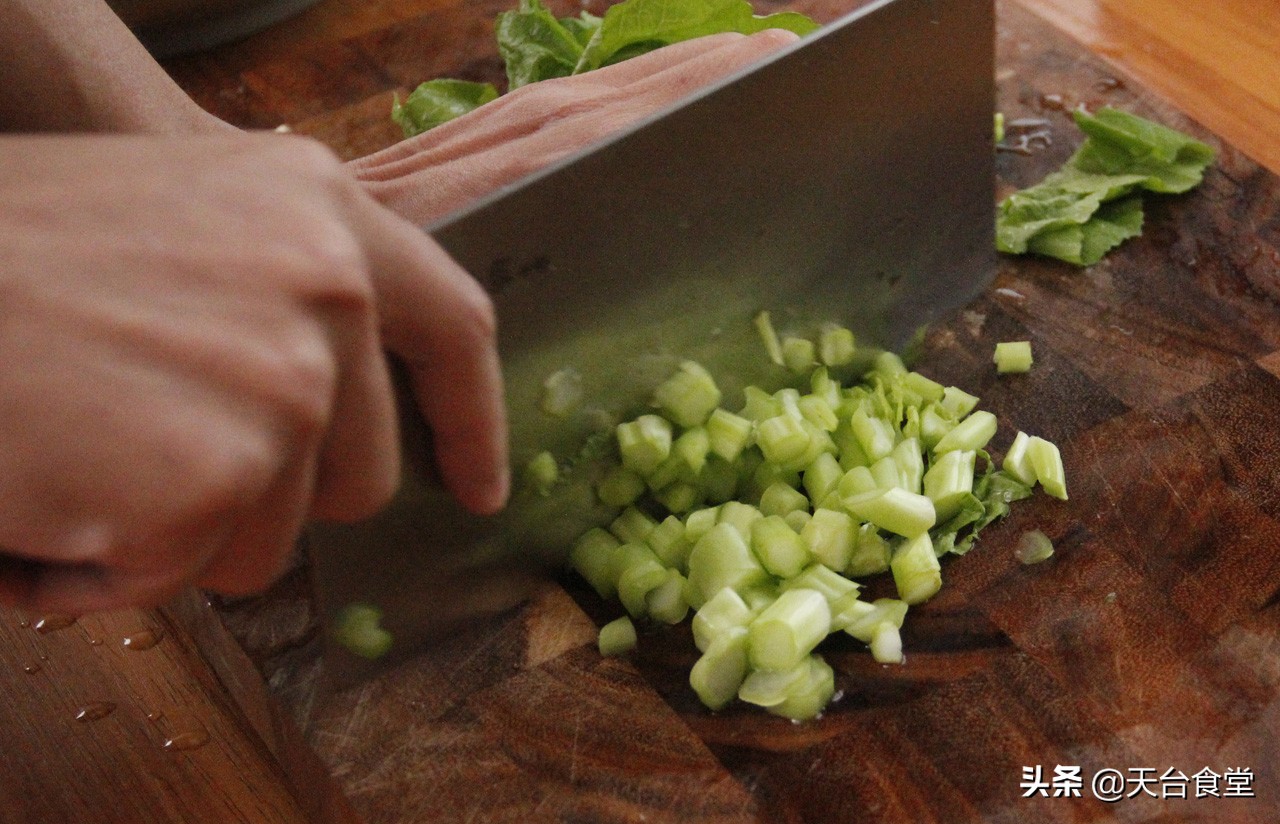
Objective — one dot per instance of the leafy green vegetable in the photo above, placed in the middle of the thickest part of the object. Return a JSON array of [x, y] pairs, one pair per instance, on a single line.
[[536, 45], [1120, 143], [638, 26], [439, 101], [1091, 204]]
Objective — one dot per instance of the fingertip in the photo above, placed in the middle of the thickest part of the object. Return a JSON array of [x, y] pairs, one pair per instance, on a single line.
[[490, 496], [777, 37], [474, 468]]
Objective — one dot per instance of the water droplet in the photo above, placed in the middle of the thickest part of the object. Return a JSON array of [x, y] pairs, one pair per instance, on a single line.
[[95, 711], [31, 669], [154, 716], [187, 740], [53, 623], [24, 623], [144, 640], [1109, 84]]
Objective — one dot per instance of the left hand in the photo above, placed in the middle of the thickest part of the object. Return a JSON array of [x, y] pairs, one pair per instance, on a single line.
[[428, 176]]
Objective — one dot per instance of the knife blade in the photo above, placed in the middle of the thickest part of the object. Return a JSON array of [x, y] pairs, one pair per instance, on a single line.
[[848, 178]]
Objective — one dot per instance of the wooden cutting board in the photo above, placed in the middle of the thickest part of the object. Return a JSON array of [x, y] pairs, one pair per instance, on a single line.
[[1149, 643]]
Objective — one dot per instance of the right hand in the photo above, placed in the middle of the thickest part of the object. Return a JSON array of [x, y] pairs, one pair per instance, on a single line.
[[193, 334]]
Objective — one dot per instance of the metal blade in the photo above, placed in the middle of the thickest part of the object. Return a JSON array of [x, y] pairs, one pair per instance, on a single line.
[[849, 179]]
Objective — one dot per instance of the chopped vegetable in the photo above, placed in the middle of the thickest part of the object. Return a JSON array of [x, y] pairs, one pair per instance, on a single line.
[[1033, 547], [788, 629], [688, 396], [1013, 356], [769, 336], [916, 571], [886, 644], [562, 392], [718, 674], [358, 628], [798, 354], [617, 637], [542, 472], [811, 490], [1047, 462], [644, 443], [1092, 203], [836, 345]]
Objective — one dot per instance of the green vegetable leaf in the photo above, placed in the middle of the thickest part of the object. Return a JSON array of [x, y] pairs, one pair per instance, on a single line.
[[438, 101], [992, 494], [582, 27], [537, 46], [639, 26], [1090, 205], [1086, 243], [1120, 143]]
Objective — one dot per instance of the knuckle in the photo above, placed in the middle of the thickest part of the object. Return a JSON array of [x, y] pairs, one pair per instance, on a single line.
[[302, 378], [225, 467], [309, 155]]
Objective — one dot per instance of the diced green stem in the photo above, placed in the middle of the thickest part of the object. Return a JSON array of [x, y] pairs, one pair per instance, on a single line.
[[895, 510], [788, 630], [617, 637], [916, 571], [1012, 357], [971, 433], [688, 396], [719, 672]]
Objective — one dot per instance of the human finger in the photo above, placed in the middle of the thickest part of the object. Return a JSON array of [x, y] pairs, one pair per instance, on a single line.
[[439, 320]]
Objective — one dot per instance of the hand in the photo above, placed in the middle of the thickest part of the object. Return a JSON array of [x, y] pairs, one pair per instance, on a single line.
[[428, 176], [193, 333]]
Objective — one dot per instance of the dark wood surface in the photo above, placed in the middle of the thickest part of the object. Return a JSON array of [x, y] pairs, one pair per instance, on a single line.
[[1150, 641]]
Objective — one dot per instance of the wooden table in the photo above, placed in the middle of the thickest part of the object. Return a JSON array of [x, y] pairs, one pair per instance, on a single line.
[[160, 715]]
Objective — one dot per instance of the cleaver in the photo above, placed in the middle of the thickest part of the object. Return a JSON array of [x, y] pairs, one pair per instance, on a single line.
[[848, 178]]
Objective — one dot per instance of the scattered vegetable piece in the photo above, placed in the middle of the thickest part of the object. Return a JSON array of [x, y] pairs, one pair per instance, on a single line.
[[562, 392], [542, 472], [617, 637], [1013, 357], [1091, 204], [358, 628], [1033, 547], [769, 336]]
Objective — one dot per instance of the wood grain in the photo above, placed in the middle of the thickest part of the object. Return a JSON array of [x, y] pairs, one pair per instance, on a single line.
[[141, 716], [1150, 641], [1219, 61]]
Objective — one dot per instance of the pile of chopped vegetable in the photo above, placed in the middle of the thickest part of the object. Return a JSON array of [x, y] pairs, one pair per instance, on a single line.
[[1094, 202], [761, 520], [536, 45]]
